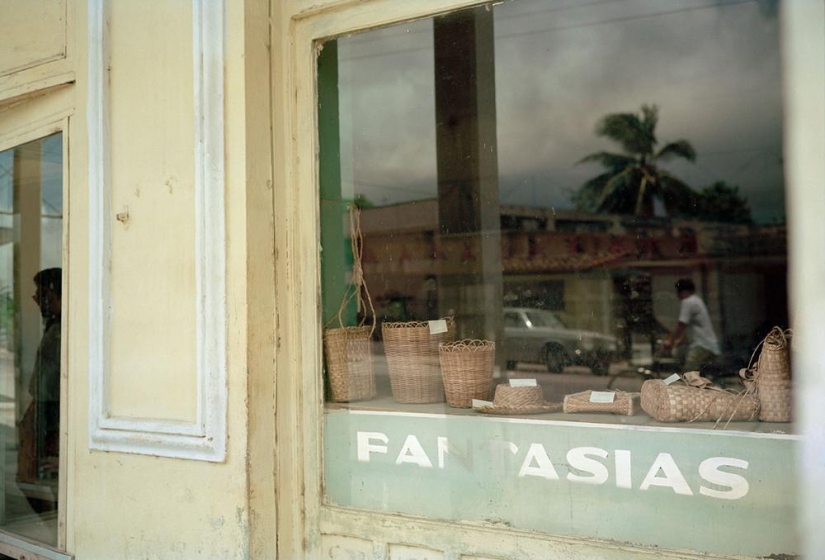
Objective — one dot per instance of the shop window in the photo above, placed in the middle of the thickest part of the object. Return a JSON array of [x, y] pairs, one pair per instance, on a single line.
[[31, 230], [567, 182], [541, 157]]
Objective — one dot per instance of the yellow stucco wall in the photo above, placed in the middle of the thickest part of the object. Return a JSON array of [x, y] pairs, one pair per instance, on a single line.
[[123, 505]]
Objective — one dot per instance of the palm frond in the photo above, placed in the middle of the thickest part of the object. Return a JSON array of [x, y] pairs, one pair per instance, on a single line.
[[587, 196], [617, 191], [627, 130], [679, 199], [680, 148], [609, 160]]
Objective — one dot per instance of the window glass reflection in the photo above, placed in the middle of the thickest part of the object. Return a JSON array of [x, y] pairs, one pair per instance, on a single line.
[[553, 175], [31, 215]]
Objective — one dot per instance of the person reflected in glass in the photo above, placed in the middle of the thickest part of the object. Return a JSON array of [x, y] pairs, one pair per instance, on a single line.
[[694, 332], [40, 426]]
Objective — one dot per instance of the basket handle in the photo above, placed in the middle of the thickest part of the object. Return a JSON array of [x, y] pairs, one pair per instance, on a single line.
[[358, 283]]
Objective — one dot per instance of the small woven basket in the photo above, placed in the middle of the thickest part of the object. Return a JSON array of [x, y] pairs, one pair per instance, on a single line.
[[623, 403], [348, 353], [680, 402], [467, 370], [773, 377], [412, 360]]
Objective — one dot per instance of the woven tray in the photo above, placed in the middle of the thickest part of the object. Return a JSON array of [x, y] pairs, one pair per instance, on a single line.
[[679, 402], [467, 370], [412, 360], [348, 353], [624, 403]]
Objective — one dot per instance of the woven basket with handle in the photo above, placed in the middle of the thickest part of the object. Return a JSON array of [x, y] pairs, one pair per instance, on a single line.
[[348, 349]]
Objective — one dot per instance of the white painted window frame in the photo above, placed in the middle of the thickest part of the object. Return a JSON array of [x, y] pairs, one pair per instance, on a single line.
[[205, 437], [39, 119], [299, 390]]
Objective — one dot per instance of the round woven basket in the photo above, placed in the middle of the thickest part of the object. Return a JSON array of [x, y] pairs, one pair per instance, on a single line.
[[467, 370], [348, 353], [412, 360], [682, 403]]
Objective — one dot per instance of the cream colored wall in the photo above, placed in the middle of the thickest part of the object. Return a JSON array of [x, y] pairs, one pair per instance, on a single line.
[[127, 505]]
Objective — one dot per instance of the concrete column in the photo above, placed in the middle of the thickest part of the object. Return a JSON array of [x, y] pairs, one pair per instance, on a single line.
[[468, 198]]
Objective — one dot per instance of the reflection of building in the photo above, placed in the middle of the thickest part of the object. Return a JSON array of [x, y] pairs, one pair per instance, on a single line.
[[608, 273]]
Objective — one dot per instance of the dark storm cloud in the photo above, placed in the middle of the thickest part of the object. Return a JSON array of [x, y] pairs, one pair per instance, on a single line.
[[712, 67]]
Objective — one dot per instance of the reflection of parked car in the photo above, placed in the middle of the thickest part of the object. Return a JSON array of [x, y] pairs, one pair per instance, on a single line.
[[537, 335]]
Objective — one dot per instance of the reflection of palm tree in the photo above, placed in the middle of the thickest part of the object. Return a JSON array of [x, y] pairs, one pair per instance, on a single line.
[[633, 179]]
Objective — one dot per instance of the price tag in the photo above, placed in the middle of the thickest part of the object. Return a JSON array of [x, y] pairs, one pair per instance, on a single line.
[[477, 403], [602, 396], [523, 383], [672, 379], [437, 327]]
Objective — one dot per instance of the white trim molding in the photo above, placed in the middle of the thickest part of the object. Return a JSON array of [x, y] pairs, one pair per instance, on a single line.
[[205, 438]]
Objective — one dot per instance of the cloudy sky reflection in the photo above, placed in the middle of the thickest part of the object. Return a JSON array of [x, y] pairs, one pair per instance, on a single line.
[[713, 68]]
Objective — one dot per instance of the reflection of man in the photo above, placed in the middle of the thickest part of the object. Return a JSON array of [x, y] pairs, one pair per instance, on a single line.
[[694, 324], [40, 426]]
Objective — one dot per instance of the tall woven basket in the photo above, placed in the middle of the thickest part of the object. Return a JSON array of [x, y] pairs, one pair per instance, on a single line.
[[348, 349], [773, 377], [467, 370], [412, 360], [348, 353]]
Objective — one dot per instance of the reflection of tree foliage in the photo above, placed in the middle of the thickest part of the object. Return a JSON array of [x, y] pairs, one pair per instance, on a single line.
[[6, 314], [633, 180], [721, 202]]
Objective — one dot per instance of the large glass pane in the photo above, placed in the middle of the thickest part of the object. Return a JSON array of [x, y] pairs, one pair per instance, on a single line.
[[596, 189], [31, 218], [543, 176]]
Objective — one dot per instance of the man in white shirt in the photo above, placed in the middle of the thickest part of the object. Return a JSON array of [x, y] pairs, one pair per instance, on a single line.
[[694, 324]]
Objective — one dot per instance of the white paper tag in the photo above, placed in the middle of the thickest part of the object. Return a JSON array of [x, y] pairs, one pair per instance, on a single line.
[[437, 327], [477, 403], [602, 397], [523, 383], [672, 379]]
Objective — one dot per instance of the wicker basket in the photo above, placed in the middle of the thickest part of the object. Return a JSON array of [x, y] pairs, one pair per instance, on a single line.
[[412, 360], [624, 403], [348, 353], [348, 349], [680, 402], [467, 370], [773, 377]]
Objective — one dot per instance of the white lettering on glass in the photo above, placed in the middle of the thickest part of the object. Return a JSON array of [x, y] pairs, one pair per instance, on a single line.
[[445, 448], [365, 447], [673, 477], [623, 469], [412, 452], [544, 467], [578, 458], [709, 470]]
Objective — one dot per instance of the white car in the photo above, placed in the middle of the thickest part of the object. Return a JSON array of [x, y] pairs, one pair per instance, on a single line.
[[539, 336]]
